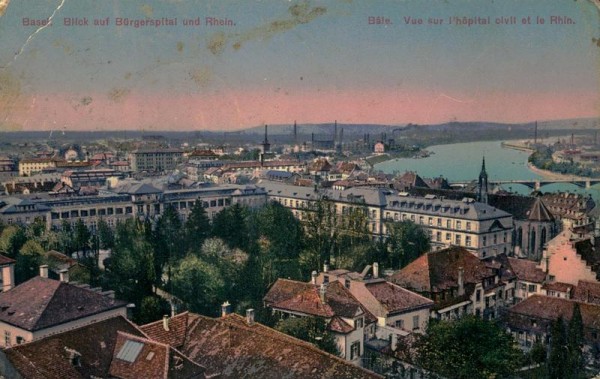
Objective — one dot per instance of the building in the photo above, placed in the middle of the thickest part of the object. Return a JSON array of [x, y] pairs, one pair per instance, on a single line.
[[531, 279], [110, 348], [7, 273], [568, 259], [459, 283], [346, 319], [142, 200], [572, 210], [41, 307], [530, 321], [149, 159], [480, 228], [30, 166], [239, 347]]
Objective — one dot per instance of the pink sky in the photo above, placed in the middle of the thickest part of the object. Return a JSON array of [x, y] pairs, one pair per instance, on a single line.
[[233, 110]]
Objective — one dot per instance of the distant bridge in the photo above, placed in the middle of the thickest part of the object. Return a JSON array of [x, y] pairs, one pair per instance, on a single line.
[[586, 183]]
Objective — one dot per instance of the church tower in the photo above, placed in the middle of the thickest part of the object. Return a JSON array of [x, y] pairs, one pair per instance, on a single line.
[[266, 145], [482, 188]]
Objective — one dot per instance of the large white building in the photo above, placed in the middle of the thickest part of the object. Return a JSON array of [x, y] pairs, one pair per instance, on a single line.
[[483, 230]]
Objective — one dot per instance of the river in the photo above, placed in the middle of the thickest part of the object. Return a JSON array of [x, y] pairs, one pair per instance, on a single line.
[[462, 162]]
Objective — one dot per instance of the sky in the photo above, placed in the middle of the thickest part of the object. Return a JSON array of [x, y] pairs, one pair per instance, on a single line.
[[276, 62]]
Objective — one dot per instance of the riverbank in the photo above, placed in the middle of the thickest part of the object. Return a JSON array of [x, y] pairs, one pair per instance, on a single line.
[[546, 174]]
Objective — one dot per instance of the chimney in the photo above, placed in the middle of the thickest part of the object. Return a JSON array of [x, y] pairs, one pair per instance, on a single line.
[[44, 271], [326, 266], [314, 277], [8, 277], [250, 316], [461, 281], [166, 322], [375, 270], [64, 275], [322, 292], [225, 309]]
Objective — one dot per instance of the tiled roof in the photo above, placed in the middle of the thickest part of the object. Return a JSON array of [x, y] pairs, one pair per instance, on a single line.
[[588, 292], [395, 298], [137, 357], [175, 336], [234, 349], [558, 286], [40, 303], [550, 308], [438, 271], [6, 260], [337, 324], [527, 270], [49, 358], [306, 298]]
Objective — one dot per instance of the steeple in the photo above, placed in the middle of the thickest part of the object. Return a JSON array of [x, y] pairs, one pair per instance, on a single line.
[[482, 188], [266, 145]]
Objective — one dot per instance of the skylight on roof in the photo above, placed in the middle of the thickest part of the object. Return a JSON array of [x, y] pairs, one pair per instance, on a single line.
[[130, 351]]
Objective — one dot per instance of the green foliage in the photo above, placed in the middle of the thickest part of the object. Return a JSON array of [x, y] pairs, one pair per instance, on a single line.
[[196, 228], [152, 308], [81, 240], [468, 348], [168, 237], [559, 354], [106, 237], [29, 259], [130, 269], [575, 342], [199, 284], [407, 241], [231, 226], [310, 329]]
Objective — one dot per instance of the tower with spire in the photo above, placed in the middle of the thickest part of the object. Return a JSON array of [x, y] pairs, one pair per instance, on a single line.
[[266, 145], [482, 188]]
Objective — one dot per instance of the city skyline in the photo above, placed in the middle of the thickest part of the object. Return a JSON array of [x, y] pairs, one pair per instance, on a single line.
[[274, 62]]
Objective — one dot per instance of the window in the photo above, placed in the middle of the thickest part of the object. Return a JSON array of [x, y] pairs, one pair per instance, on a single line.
[[457, 239], [532, 288], [347, 283], [495, 239], [484, 241], [6, 338], [325, 279], [359, 323], [458, 224], [438, 236], [468, 226], [355, 350], [449, 224], [399, 324], [468, 240], [416, 325], [430, 220], [448, 237], [478, 295], [439, 222]]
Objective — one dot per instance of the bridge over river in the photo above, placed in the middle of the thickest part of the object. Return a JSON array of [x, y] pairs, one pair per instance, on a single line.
[[536, 184]]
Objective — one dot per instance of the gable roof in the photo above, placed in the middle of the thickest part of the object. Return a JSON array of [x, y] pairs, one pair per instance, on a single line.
[[588, 292], [138, 357], [305, 298], [175, 336], [4, 260], [527, 270], [395, 299], [438, 270], [235, 349], [550, 308], [40, 303], [49, 358]]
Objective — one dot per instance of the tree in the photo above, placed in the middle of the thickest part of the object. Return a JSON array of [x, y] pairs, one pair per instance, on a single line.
[[558, 359], [230, 225], [468, 348], [310, 329], [130, 268], [106, 238], [199, 284], [152, 308], [168, 242], [406, 242], [28, 260], [81, 239], [575, 342], [197, 227]]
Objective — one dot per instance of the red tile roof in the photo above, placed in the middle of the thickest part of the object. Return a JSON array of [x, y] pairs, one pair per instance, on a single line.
[[527, 270], [175, 336], [49, 358], [588, 292], [153, 360], [396, 299], [40, 303], [6, 260], [234, 349], [550, 308]]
